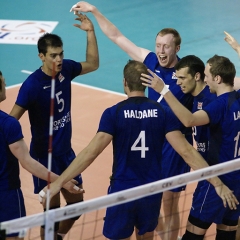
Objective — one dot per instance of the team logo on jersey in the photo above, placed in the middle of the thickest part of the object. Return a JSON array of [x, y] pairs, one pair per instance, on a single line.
[[174, 75], [61, 77], [157, 71], [24, 32], [199, 105]]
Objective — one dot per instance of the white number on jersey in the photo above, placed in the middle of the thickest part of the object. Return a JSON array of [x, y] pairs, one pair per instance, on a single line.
[[237, 148], [60, 101], [194, 131], [142, 147]]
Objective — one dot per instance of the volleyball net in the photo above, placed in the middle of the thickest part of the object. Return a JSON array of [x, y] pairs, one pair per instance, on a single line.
[[89, 226]]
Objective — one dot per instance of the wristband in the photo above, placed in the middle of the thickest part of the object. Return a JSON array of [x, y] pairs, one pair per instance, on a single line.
[[164, 90], [41, 196]]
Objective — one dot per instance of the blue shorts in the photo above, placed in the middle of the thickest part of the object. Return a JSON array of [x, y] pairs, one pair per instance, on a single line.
[[11, 206], [143, 214], [59, 165], [173, 164], [208, 207]]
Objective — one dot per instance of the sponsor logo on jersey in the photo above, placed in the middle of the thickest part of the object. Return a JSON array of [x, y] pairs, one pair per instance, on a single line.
[[46, 87], [24, 32], [61, 77], [199, 105], [174, 75]]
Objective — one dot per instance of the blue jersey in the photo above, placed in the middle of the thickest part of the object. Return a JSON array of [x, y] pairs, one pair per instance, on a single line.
[[224, 142], [173, 164], [138, 126], [10, 132], [169, 77], [201, 133], [34, 96]]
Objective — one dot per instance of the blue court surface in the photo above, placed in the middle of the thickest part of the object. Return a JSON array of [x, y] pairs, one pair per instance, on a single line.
[[200, 23]]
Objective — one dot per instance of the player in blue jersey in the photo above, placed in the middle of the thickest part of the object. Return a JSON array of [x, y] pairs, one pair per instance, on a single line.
[[12, 150], [162, 62], [137, 128], [223, 116], [34, 97], [235, 45], [190, 77]]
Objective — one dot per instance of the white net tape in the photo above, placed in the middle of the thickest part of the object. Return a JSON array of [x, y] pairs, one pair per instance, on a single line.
[[23, 224]]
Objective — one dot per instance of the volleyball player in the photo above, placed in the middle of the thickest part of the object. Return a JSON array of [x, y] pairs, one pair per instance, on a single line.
[[137, 128], [14, 149], [234, 44], [162, 62], [34, 97], [223, 117], [190, 78]]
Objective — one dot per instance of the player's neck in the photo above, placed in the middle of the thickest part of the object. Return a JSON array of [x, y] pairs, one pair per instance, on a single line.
[[199, 87], [223, 88], [46, 70], [136, 94]]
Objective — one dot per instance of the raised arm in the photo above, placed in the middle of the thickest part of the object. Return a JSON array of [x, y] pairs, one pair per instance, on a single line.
[[20, 151], [92, 56], [82, 161], [184, 115], [232, 42], [195, 161], [111, 31], [236, 46]]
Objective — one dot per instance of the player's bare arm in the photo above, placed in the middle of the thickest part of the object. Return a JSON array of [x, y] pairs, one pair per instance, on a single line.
[[195, 161], [232, 42], [184, 115], [236, 46], [92, 55], [112, 32], [17, 111], [81, 162], [20, 151]]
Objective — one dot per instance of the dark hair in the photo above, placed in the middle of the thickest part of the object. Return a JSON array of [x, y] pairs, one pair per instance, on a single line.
[[194, 64], [48, 40], [132, 73], [223, 67], [0, 81], [174, 32]]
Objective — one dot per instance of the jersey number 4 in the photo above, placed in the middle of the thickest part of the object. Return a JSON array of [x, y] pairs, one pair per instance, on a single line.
[[139, 144]]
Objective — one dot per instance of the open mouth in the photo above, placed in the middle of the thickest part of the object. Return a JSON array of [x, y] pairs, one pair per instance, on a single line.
[[162, 58]]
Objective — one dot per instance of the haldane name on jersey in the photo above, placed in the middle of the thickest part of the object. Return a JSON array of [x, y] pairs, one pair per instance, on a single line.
[[140, 114]]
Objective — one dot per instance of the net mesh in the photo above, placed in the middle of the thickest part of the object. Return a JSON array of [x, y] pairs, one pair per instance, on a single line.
[[89, 225]]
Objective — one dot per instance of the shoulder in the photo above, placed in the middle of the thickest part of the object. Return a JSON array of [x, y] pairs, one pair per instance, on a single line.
[[9, 124], [151, 59]]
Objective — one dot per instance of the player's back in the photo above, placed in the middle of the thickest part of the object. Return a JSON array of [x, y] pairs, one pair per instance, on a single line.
[[9, 170], [140, 128]]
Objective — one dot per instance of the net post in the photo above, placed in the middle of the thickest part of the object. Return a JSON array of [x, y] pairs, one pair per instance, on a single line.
[[49, 225]]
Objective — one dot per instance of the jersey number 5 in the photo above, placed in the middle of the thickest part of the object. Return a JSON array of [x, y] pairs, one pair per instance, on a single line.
[[140, 139], [60, 101]]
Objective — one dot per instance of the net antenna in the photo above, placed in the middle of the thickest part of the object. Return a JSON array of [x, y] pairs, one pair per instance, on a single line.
[[48, 223]]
